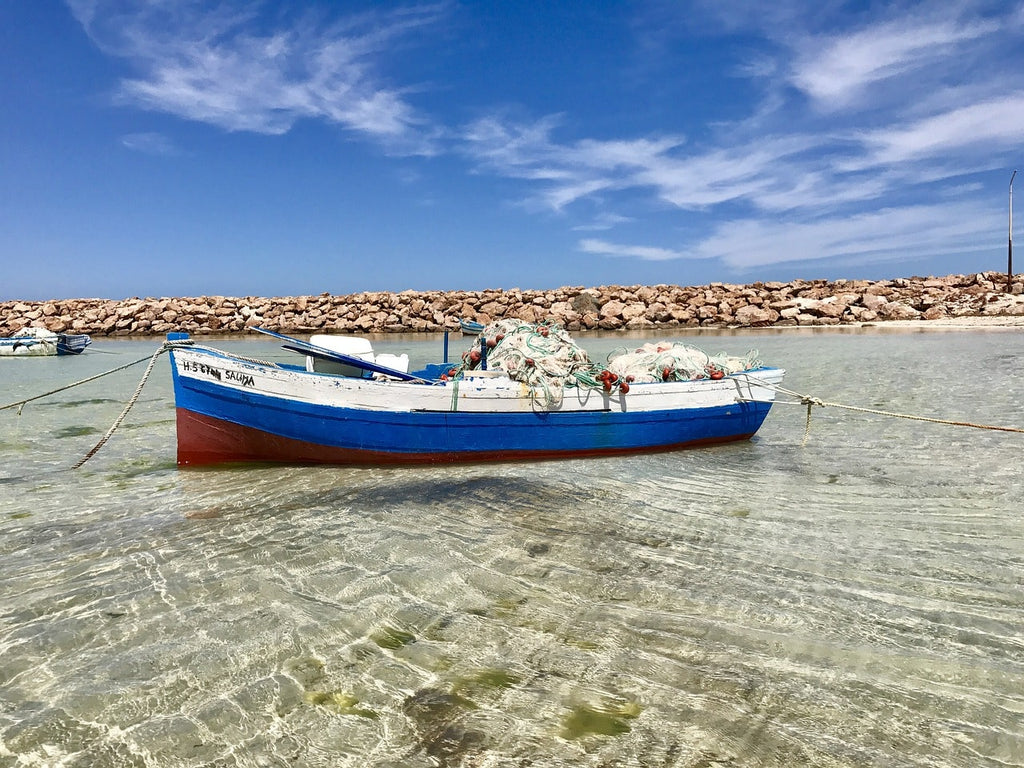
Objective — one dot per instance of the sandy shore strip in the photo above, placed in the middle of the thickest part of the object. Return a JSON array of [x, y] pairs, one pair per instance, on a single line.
[[979, 322]]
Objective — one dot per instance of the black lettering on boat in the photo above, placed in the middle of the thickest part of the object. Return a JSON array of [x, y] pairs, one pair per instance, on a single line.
[[203, 368], [242, 379]]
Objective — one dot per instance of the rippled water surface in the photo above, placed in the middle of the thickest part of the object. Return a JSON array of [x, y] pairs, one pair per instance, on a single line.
[[855, 601]]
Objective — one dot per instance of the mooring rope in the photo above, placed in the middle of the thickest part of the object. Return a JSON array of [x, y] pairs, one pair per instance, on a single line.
[[810, 402], [167, 346], [21, 403], [128, 407]]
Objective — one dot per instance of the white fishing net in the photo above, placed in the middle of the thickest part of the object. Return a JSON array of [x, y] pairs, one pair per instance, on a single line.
[[674, 361], [545, 357]]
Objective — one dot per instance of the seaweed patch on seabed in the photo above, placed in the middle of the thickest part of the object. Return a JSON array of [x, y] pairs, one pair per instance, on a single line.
[[392, 638], [435, 715], [89, 401], [75, 431], [341, 703], [605, 718]]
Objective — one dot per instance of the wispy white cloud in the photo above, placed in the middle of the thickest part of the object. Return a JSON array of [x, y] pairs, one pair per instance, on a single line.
[[524, 147], [602, 222], [568, 172], [150, 143], [838, 70], [774, 173], [982, 127], [213, 65], [644, 252], [724, 174], [890, 234]]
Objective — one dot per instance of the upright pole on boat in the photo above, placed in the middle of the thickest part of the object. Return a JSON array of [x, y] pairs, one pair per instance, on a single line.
[[1009, 242]]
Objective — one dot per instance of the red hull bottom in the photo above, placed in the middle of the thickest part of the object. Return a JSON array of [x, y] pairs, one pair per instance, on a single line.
[[203, 440]]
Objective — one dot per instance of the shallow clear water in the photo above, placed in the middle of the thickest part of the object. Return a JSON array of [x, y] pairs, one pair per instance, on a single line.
[[858, 600]]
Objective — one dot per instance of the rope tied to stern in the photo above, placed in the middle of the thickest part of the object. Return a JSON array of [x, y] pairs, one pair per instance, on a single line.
[[810, 402]]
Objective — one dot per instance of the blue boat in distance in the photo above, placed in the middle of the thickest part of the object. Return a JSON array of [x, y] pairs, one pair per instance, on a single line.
[[471, 327]]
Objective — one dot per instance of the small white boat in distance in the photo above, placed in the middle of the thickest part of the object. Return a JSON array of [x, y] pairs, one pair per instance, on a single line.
[[37, 342]]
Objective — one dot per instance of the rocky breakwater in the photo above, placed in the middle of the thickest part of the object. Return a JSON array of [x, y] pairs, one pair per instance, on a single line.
[[717, 305]]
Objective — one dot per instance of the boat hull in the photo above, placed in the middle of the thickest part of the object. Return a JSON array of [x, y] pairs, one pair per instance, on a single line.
[[28, 347], [72, 343], [229, 410], [46, 345]]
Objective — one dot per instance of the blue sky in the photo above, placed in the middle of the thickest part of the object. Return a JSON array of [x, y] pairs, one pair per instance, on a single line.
[[160, 148]]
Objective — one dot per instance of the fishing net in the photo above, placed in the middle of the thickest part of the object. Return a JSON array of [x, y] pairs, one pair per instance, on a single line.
[[546, 358], [542, 355], [672, 361]]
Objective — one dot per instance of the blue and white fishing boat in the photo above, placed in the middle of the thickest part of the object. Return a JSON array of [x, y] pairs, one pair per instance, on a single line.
[[345, 405], [470, 327], [36, 342]]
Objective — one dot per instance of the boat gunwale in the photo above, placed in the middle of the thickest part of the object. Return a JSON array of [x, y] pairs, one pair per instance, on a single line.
[[499, 388]]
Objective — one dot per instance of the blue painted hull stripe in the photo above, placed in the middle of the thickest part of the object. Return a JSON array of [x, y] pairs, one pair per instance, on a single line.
[[461, 432]]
